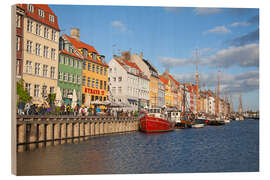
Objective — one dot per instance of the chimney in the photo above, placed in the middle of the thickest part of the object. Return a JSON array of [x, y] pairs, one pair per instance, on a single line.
[[75, 33], [126, 55], [141, 55], [167, 71]]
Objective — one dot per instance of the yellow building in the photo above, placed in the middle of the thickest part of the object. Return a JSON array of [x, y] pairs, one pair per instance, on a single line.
[[153, 90], [94, 71], [40, 51], [168, 92]]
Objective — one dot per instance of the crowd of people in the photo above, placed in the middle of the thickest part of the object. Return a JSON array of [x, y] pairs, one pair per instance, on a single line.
[[46, 109]]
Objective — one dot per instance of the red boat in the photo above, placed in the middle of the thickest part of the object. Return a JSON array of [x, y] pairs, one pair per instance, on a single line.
[[155, 121]]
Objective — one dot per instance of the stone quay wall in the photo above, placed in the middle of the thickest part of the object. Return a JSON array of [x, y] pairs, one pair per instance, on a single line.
[[42, 131]]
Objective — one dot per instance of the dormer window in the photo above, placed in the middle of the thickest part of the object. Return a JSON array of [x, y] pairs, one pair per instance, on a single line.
[[94, 56], [41, 13], [51, 18], [85, 52], [102, 58], [30, 8]]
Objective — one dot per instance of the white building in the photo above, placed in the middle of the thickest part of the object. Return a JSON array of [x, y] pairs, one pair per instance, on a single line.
[[128, 85]]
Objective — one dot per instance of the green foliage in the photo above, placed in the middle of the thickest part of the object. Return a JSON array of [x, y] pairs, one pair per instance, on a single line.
[[22, 93], [51, 98]]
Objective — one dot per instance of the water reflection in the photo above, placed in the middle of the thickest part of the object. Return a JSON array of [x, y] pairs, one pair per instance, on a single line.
[[230, 148]]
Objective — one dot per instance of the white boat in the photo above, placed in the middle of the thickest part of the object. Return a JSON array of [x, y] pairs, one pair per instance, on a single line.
[[197, 125], [227, 121]]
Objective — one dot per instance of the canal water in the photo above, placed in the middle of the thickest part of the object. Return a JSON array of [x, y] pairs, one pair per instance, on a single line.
[[233, 147]]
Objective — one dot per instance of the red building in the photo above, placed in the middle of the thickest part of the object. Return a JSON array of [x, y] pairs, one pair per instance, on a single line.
[[19, 40]]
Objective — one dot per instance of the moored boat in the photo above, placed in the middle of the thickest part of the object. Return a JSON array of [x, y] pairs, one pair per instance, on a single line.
[[155, 121]]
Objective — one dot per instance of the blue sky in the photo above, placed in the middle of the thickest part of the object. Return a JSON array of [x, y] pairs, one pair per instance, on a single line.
[[226, 39]]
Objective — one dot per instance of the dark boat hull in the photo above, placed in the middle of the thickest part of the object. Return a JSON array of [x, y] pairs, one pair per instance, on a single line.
[[153, 124]]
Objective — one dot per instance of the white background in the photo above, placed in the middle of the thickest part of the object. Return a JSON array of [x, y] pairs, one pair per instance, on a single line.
[[5, 89]]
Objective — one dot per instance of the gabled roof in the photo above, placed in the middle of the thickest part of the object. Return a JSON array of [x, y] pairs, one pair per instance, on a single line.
[[176, 82], [150, 66], [124, 62], [45, 20], [79, 45], [163, 80], [70, 54]]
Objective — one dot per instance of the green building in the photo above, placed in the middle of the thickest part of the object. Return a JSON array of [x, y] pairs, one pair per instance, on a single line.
[[69, 71]]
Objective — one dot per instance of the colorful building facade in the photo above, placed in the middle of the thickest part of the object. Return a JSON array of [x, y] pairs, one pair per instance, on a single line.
[[69, 71], [40, 55], [94, 84]]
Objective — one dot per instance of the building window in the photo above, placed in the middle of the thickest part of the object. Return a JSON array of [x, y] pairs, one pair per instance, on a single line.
[[89, 66], [18, 20], [29, 25], [105, 71], [60, 59], [53, 35], [46, 32], [36, 90], [105, 85], [18, 41], [30, 8], [93, 83], [101, 84], [78, 64], [38, 29], [83, 80], [37, 68], [51, 90], [69, 61], [88, 82], [119, 79], [101, 70], [41, 13], [46, 51], [52, 75], [104, 99], [84, 65], [113, 90], [51, 18], [60, 75], [97, 83], [79, 79], [44, 91], [28, 67], [73, 78], [93, 67], [53, 54], [45, 70], [97, 69], [65, 76], [29, 46], [114, 79], [69, 77], [28, 87], [92, 98], [100, 98], [74, 63], [38, 49]]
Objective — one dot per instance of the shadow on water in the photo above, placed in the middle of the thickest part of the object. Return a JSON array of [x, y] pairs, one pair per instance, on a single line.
[[233, 147]]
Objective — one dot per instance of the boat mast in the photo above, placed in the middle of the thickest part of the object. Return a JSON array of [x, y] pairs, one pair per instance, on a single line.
[[218, 94], [240, 104], [197, 83]]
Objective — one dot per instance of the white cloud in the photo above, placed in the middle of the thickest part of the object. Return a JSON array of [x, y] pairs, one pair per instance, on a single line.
[[243, 56], [206, 11], [236, 24], [218, 30], [235, 83], [121, 26]]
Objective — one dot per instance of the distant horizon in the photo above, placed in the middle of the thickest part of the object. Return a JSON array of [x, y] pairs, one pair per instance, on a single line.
[[227, 40]]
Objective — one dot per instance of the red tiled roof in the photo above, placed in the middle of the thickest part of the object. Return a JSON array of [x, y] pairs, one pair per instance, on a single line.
[[165, 81], [176, 82], [45, 20], [79, 44], [70, 54], [133, 65]]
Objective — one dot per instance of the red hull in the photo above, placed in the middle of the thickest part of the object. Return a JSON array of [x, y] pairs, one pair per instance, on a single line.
[[152, 124]]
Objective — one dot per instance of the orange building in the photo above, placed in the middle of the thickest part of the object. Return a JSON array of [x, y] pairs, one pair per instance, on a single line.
[[94, 71]]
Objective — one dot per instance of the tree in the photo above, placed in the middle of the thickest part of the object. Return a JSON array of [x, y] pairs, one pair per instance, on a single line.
[[51, 98], [22, 93]]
